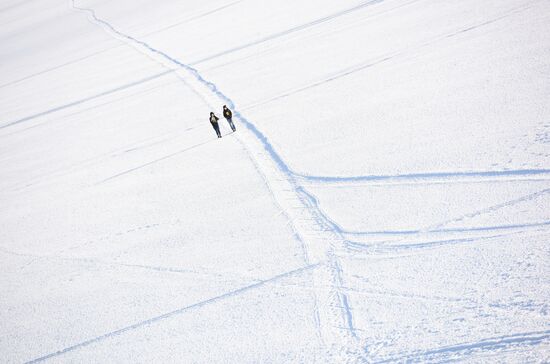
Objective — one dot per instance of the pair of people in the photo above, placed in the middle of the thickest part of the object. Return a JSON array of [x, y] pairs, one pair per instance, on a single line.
[[228, 115]]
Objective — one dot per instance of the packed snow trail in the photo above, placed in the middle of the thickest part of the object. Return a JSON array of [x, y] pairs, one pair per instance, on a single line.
[[323, 239], [169, 61], [334, 307], [365, 259]]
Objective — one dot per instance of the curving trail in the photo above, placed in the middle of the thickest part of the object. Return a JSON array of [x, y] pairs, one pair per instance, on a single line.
[[321, 240], [327, 247]]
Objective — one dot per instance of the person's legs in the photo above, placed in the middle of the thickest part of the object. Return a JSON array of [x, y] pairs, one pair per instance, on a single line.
[[230, 121], [217, 129]]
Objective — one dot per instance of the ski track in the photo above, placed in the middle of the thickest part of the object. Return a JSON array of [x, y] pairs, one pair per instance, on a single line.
[[393, 248], [163, 269], [337, 241], [320, 226], [448, 230], [154, 161], [329, 307], [133, 147], [382, 59], [446, 353], [59, 66], [81, 101], [188, 20], [171, 314], [443, 177], [288, 31], [418, 245], [297, 235], [489, 209], [126, 96], [332, 32]]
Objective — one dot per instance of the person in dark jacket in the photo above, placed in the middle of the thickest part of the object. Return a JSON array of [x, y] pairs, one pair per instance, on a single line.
[[228, 115], [214, 121]]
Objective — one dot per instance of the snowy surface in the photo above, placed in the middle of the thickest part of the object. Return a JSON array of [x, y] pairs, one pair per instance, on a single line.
[[386, 197]]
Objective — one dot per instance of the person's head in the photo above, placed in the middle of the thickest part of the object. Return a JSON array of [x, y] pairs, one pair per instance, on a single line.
[[211, 113], [224, 106]]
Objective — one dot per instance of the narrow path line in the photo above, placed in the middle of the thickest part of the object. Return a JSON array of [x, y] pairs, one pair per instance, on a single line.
[[440, 226], [209, 12], [325, 236], [289, 31], [170, 314], [80, 59], [458, 176], [334, 307], [153, 162], [89, 98], [442, 354]]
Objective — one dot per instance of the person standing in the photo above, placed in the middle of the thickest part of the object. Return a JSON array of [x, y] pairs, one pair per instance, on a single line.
[[214, 121], [228, 115]]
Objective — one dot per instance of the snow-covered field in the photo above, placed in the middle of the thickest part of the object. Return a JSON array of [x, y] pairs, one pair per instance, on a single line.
[[386, 197]]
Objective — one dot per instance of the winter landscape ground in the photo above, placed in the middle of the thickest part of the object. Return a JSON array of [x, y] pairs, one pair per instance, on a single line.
[[385, 198]]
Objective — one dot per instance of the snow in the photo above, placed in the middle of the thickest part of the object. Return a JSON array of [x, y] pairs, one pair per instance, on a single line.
[[384, 199]]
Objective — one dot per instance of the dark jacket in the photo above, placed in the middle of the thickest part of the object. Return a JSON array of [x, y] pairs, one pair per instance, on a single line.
[[214, 119], [227, 113]]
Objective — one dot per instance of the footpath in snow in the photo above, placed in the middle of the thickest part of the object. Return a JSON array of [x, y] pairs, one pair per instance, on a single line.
[[386, 202]]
